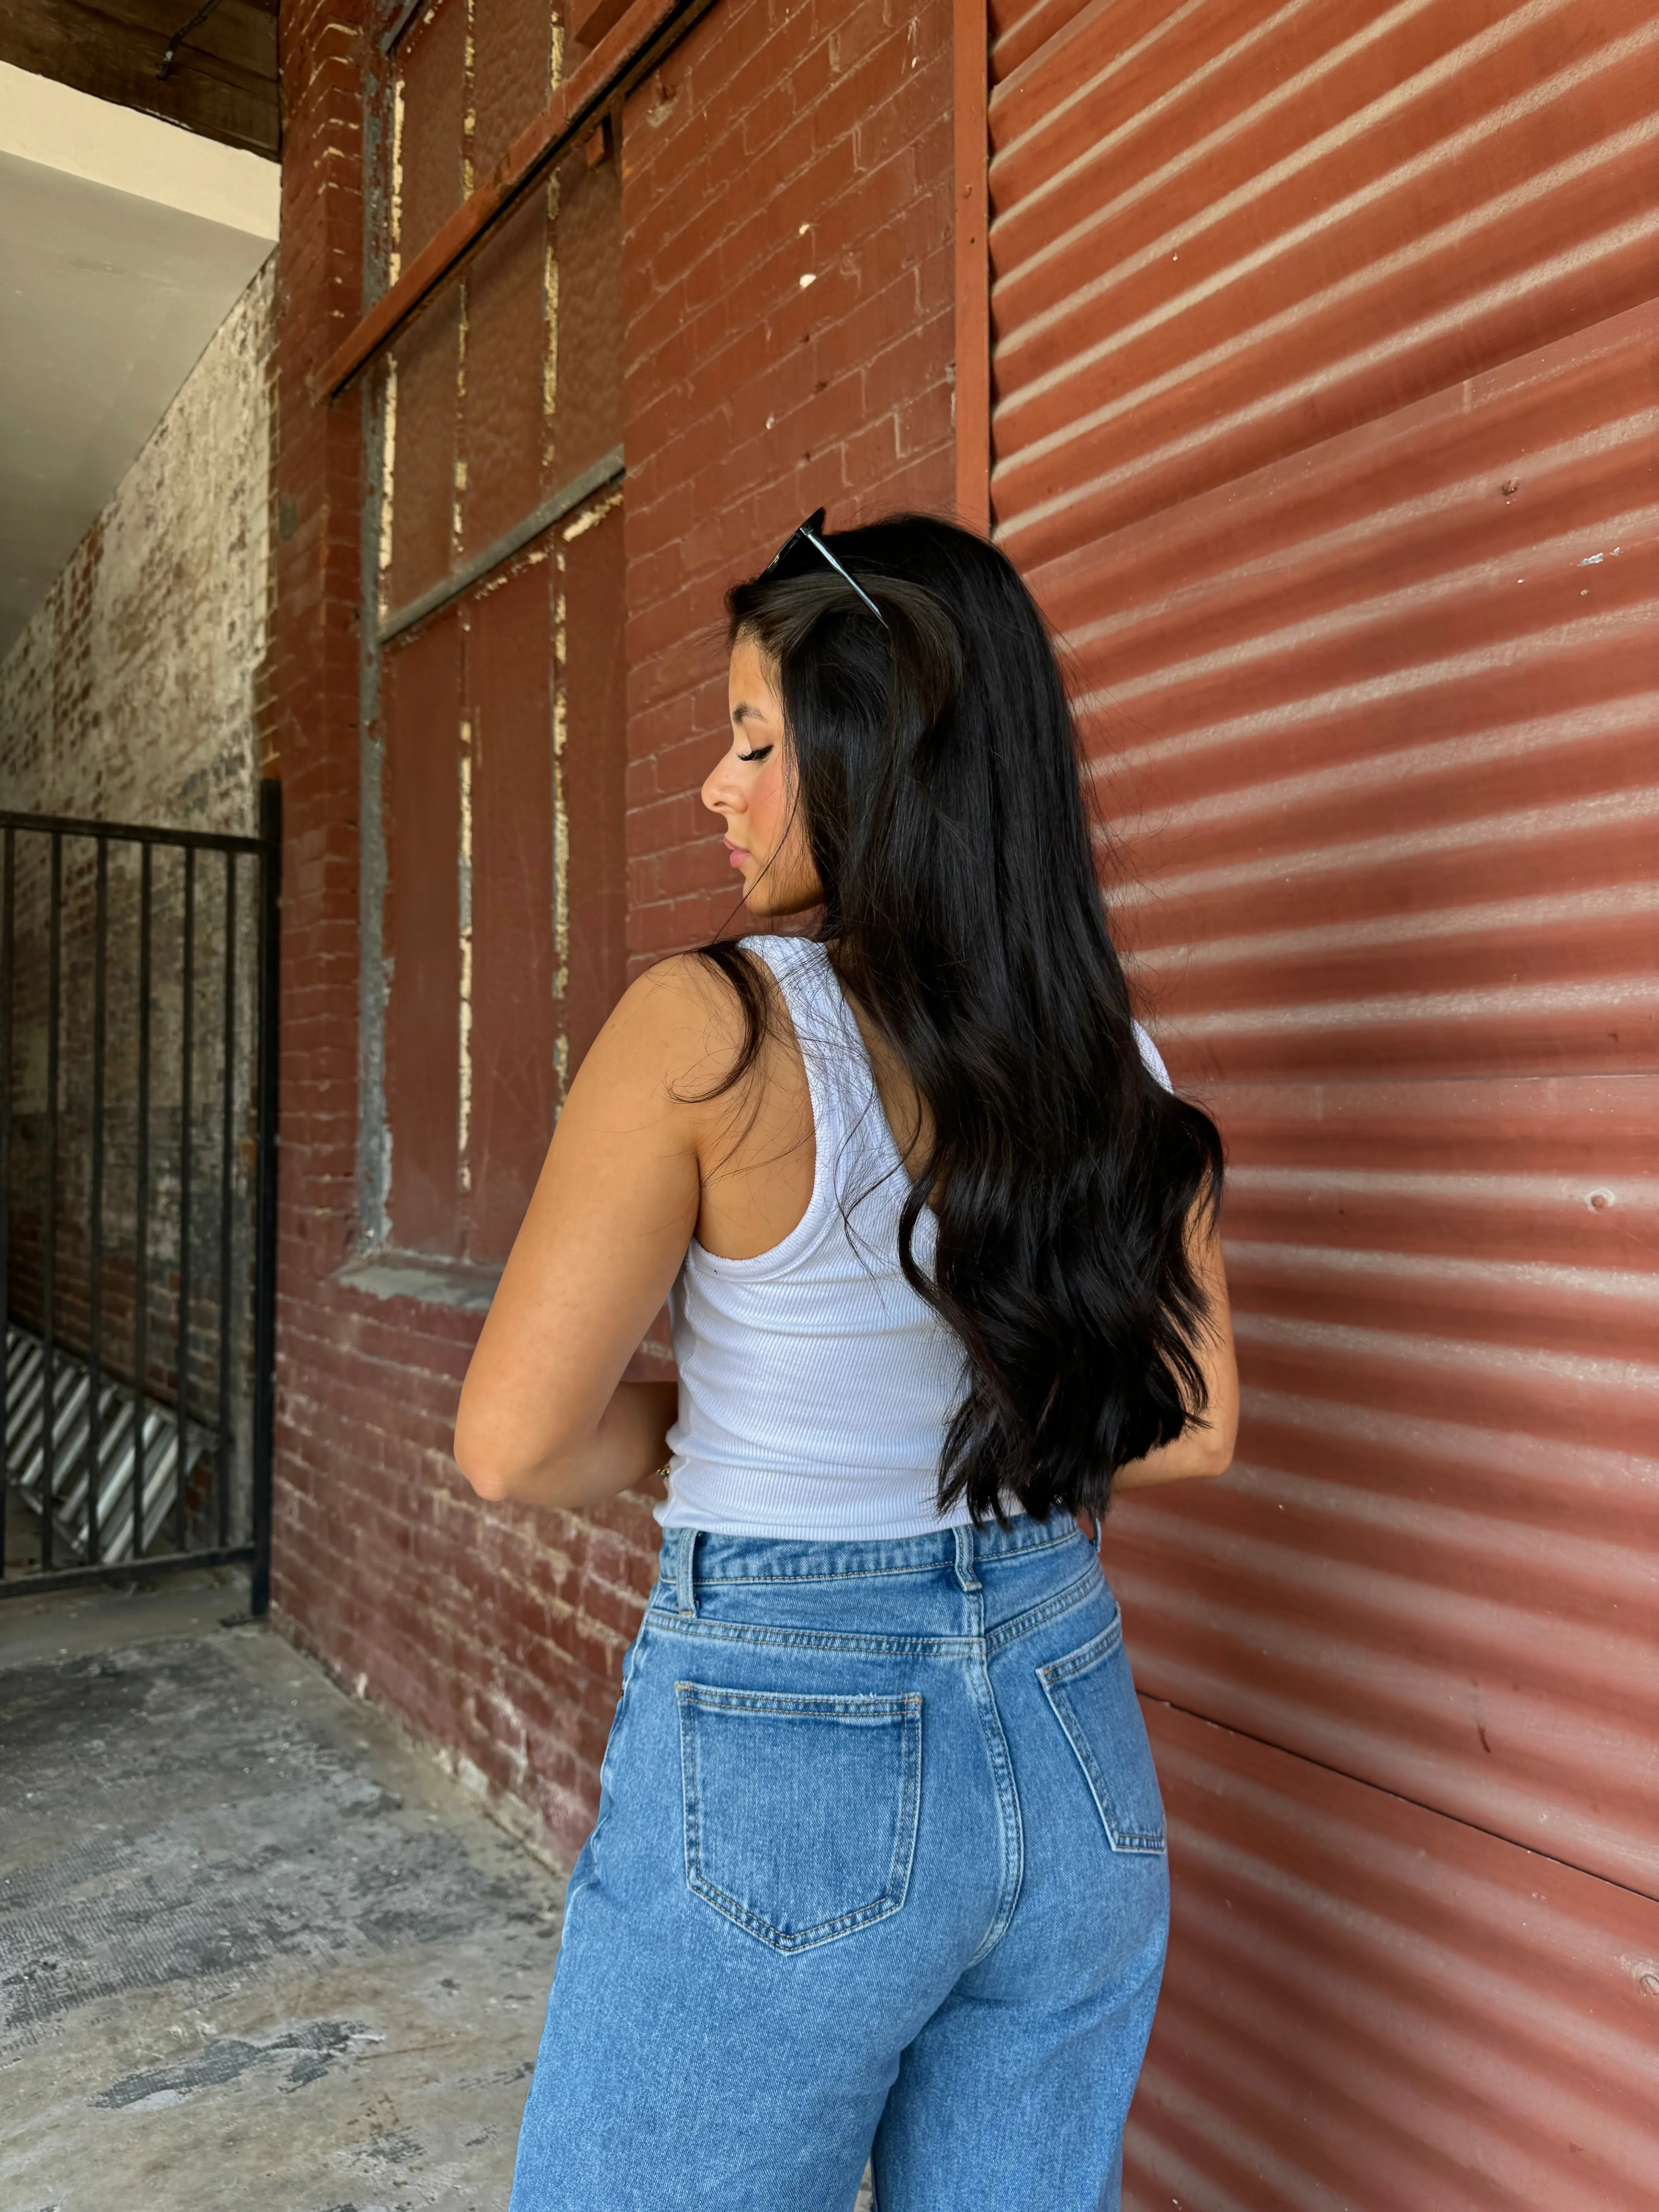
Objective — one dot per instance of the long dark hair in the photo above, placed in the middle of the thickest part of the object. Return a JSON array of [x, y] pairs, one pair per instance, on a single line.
[[935, 766]]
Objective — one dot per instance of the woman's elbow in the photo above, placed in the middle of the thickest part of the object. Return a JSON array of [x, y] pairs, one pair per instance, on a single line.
[[1215, 1450], [490, 1470], [493, 1484], [1218, 1437], [484, 1477]]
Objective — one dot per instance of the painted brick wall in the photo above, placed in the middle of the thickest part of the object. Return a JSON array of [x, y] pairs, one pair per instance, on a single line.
[[779, 142], [788, 293], [497, 1632], [494, 1633]]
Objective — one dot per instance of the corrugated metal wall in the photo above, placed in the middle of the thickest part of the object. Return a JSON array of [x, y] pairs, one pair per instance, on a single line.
[[1324, 421]]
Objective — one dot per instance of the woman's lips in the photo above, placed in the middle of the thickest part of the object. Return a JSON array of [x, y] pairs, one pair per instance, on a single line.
[[739, 853]]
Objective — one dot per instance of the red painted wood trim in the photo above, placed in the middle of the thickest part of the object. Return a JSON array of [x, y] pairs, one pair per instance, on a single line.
[[576, 102], [970, 43]]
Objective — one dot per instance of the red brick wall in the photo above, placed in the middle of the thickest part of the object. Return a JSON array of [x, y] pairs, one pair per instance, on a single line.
[[750, 399], [782, 140], [507, 390]]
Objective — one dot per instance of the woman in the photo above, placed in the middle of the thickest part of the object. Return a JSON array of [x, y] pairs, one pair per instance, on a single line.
[[880, 1863]]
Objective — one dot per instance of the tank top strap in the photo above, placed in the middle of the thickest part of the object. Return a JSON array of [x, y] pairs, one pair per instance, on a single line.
[[846, 1116]]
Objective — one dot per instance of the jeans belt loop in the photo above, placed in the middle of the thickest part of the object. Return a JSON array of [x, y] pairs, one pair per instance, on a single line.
[[685, 1584], [963, 1532]]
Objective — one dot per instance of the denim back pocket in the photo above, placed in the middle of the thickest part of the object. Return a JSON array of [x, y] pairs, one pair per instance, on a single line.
[[800, 1810], [1093, 1695]]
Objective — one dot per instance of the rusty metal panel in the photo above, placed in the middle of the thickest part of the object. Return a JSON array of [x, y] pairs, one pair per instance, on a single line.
[[1221, 235], [1372, 722], [419, 534], [422, 692], [593, 766], [510, 285], [515, 67], [504, 867], [1369, 2005], [504, 914], [1020, 28], [1375, 721], [430, 153], [588, 418], [508, 1016], [507, 431], [1325, 424], [1383, 760], [1434, 1563]]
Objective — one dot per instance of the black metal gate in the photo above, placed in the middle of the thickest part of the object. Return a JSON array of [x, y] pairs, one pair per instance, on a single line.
[[137, 1198]]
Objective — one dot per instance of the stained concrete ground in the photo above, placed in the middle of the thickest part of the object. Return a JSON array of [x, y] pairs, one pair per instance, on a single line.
[[256, 1950]]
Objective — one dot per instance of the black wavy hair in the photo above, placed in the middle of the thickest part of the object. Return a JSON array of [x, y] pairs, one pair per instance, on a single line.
[[936, 768]]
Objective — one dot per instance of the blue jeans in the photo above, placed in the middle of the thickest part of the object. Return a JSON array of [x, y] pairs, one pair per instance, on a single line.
[[878, 1871]]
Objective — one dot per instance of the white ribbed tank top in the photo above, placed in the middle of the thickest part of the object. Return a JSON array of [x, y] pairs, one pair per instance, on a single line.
[[814, 1385]]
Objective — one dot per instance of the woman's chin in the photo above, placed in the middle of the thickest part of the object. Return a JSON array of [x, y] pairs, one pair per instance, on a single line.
[[770, 893]]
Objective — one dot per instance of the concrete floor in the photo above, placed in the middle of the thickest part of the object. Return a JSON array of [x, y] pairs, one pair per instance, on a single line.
[[255, 1951]]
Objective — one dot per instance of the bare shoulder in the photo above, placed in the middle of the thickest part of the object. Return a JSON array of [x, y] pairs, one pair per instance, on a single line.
[[676, 1034]]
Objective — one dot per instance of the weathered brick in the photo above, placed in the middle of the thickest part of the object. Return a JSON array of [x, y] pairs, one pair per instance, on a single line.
[[499, 1631]]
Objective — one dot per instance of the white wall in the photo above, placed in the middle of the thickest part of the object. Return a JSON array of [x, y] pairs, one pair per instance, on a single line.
[[130, 696], [125, 242]]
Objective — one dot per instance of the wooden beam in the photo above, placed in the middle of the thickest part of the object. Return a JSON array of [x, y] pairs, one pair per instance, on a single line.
[[223, 84], [623, 55]]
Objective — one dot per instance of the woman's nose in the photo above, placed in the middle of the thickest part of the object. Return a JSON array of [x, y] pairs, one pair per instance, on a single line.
[[716, 795]]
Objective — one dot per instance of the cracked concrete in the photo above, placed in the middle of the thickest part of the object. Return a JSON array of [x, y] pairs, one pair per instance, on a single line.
[[253, 1947], [255, 1950]]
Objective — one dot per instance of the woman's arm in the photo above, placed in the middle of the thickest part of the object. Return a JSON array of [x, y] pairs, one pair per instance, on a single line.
[[544, 1416], [1208, 1449]]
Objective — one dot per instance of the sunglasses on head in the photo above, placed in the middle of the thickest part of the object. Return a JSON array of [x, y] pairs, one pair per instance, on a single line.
[[786, 561]]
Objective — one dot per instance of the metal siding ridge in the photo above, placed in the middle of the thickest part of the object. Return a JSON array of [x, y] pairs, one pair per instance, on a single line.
[[1596, 756], [1570, 425], [1168, 428], [1381, 106], [1326, 431], [1367, 2003], [1440, 260], [1021, 28]]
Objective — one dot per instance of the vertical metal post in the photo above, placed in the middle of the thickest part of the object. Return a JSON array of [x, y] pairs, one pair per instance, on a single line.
[[226, 1162], [265, 1236], [8, 966], [141, 1222], [96, 1226], [186, 1104], [49, 1207]]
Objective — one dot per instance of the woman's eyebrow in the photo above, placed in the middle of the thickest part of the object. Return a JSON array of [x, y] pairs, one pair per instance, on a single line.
[[741, 714]]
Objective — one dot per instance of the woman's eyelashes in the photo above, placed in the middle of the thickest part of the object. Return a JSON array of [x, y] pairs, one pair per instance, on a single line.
[[758, 754]]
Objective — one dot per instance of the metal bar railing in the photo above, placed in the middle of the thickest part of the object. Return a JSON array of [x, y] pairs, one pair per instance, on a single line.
[[141, 1202], [264, 1264], [96, 1225], [49, 1218], [186, 1102], [129, 833], [226, 1162], [8, 963], [103, 1469]]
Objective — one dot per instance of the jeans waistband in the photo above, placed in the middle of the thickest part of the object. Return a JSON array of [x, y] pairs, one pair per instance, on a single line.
[[694, 1557]]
